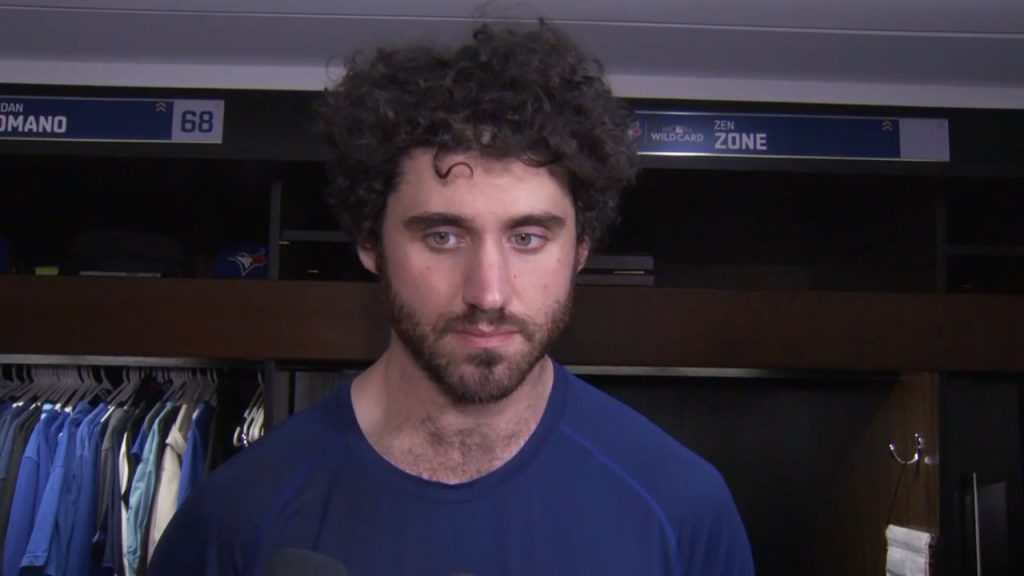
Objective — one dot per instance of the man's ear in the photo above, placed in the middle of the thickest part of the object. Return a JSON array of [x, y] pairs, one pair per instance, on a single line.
[[582, 252], [369, 255]]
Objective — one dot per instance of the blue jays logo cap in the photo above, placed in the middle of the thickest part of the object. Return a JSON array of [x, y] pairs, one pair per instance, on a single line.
[[243, 260]]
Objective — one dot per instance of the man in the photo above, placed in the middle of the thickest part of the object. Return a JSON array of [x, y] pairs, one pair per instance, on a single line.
[[475, 183]]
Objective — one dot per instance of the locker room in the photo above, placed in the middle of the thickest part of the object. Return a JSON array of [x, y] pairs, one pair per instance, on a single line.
[[835, 328]]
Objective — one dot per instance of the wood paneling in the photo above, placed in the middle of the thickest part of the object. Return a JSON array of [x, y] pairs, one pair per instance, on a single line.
[[612, 326], [230, 319], [798, 330], [870, 490]]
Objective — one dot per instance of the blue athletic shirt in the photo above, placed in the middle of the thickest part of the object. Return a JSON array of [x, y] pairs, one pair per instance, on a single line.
[[31, 483], [41, 555], [596, 490]]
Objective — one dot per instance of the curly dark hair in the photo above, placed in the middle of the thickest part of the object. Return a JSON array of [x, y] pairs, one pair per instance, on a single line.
[[531, 95]]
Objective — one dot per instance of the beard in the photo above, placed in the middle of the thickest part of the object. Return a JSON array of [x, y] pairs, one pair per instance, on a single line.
[[479, 377]]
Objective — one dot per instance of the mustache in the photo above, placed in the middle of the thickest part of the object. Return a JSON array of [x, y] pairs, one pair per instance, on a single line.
[[499, 319]]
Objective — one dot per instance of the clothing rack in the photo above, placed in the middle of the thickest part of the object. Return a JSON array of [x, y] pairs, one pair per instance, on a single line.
[[126, 361], [140, 433], [739, 373]]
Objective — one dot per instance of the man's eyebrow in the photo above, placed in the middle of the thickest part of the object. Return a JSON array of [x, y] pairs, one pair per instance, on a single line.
[[426, 220], [542, 220], [433, 220]]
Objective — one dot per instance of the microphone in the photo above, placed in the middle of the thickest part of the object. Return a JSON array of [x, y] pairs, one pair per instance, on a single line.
[[298, 562]]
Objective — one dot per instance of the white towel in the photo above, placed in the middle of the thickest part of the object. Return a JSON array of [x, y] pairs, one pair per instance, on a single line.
[[908, 553]]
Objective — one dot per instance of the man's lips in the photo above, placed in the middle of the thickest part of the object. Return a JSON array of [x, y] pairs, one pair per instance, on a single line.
[[486, 331], [485, 337]]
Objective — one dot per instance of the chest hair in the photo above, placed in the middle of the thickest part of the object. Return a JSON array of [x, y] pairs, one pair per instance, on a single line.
[[453, 457]]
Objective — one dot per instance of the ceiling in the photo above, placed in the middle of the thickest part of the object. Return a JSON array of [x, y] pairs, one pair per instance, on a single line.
[[948, 53]]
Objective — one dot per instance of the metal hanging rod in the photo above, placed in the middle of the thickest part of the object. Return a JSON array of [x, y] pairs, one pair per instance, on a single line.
[[693, 372], [129, 361], [653, 371]]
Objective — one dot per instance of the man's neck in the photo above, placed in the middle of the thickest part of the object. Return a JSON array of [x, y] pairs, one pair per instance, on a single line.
[[413, 424]]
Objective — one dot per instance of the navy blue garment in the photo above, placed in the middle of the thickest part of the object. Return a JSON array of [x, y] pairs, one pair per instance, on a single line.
[[8, 469], [108, 538], [33, 475], [596, 490], [10, 459], [10, 414], [193, 462]]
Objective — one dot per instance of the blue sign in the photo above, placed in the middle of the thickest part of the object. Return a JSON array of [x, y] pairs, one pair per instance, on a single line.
[[111, 120], [782, 136]]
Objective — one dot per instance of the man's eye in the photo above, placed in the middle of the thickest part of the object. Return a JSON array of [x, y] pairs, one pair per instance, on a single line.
[[441, 239], [527, 240]]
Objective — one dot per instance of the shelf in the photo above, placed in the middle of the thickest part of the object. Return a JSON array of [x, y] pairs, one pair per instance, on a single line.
[[327, 236], [1008, 251], [129, 361], [621, 326], [186, 318]]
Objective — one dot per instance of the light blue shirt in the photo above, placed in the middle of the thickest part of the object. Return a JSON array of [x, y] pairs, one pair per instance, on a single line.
[[141, 497]]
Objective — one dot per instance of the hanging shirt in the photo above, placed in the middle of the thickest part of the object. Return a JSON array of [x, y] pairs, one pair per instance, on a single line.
[[7, 429], [597, 489], [165, 499], [33, 475], [75, 498], [21, 429], [138, 447], [7, 436], [44, 529], [108, 491], [24, 427], [143, 486], [123, 475], [7, 415], [163, 429], [9, 457], [128, 464], [112, 553], [108, 450], [78, 550], [193, 463], [10, 463]]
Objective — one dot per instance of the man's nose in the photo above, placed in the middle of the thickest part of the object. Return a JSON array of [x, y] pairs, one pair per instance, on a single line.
[[486, 277]]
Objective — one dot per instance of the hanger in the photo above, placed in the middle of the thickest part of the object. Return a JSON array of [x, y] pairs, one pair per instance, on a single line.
[[250, 434], [53, 384], [210, 393], [68, 389], [177, 384], [23, 391], [7, 383], [98, 387], [240, 438], [257, 426], [195, 387], [123, 395]]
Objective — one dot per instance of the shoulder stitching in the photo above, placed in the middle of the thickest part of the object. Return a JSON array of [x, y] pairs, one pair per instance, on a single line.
[[670, 536], [252, 550]]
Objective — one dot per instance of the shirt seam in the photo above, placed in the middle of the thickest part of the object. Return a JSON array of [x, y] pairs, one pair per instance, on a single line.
[[253, 548], [670, 535]]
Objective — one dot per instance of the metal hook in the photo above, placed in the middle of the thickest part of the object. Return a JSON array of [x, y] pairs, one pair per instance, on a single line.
[[918, 446]]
